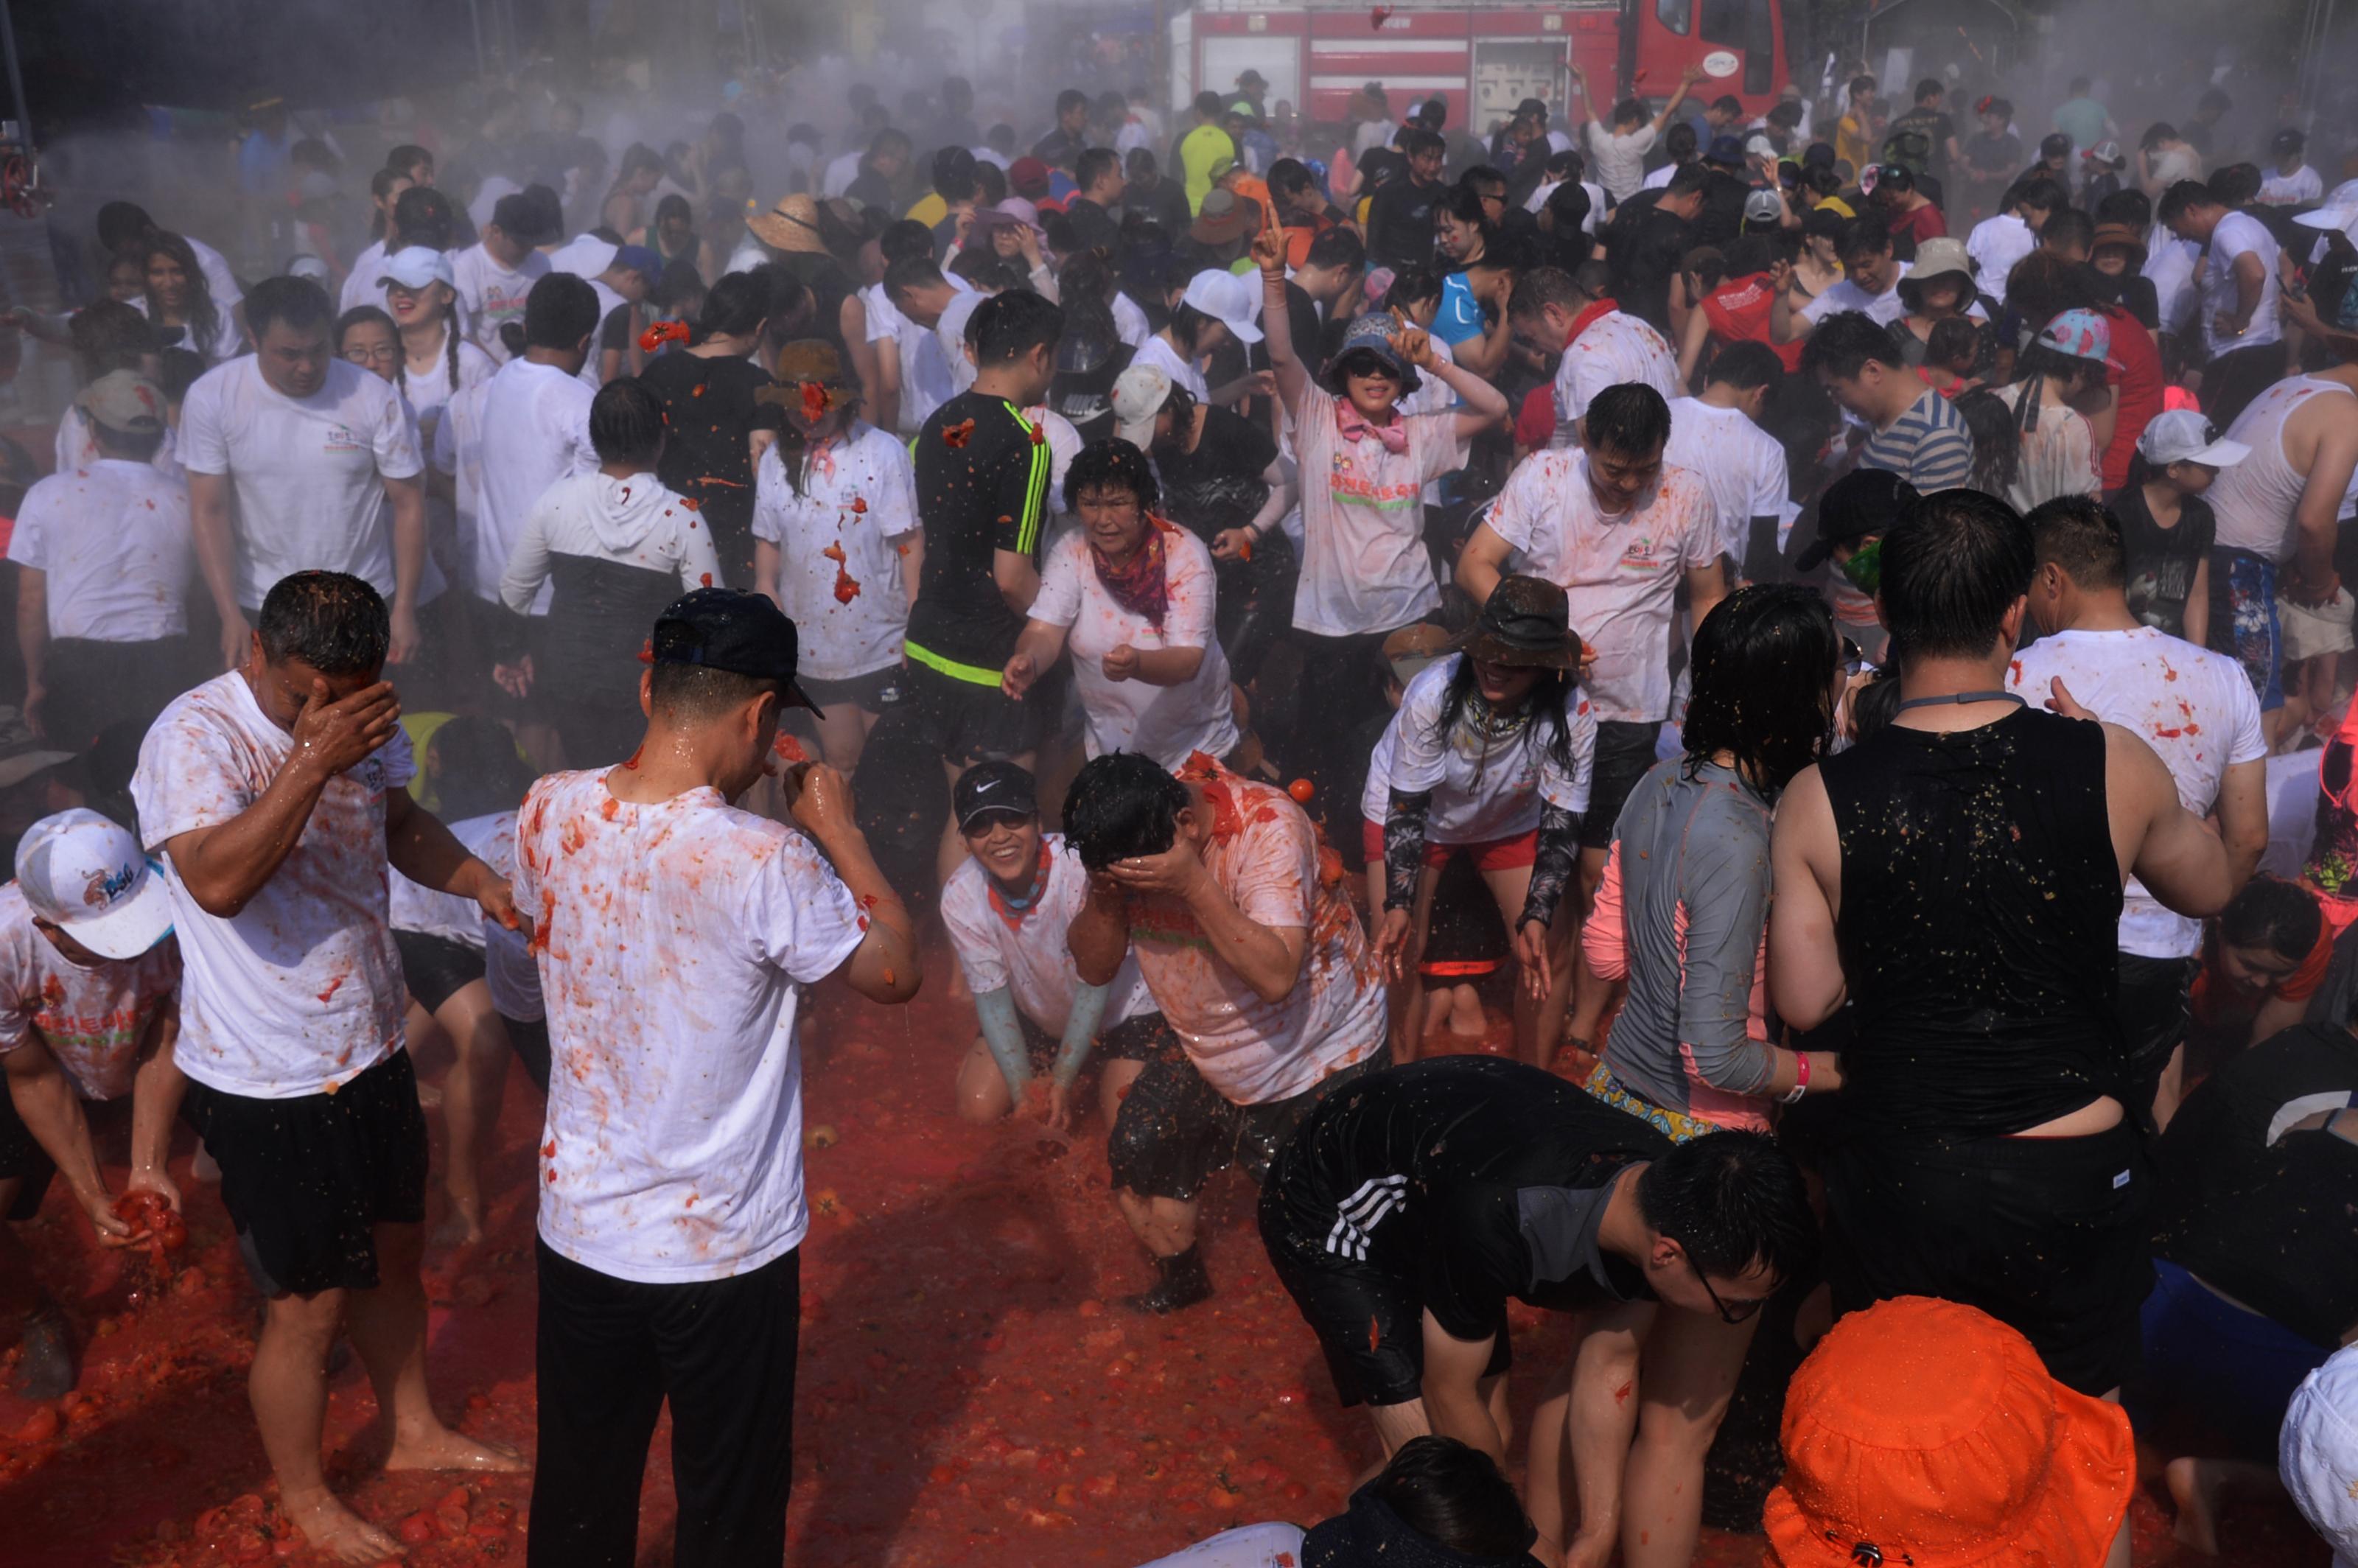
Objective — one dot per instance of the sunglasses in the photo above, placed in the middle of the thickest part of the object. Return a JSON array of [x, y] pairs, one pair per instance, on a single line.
[[1740, 1311]]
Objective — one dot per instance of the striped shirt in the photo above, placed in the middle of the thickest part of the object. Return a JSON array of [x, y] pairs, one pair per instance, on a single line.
[[1928, 445]]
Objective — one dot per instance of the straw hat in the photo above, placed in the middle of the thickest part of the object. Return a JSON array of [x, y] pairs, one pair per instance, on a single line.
[[791, 226], [1928, 1433]]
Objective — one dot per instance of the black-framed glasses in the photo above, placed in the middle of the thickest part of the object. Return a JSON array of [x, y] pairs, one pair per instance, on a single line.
[[1736, 1311]]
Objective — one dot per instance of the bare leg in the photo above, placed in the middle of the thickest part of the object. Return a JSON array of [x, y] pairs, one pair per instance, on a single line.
[[1601, 1417], [471, 1104], [1591, 992], [1563, 947], [1395, 1425], [1466, 1019], [1690, 1363], [289, 1387], [842, 735], [2198, 1486], [982, 1094], [1113, 1084], [1508, 887], [1547, 1464], [387, 1327], [1165, 1226]]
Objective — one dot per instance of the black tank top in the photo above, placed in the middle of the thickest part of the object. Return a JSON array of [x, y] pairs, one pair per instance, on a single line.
[[1981, 905]]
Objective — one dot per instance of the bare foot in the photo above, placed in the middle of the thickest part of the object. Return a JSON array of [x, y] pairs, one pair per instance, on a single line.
[[340, 1534], [443, 1449], [2194, 1487]]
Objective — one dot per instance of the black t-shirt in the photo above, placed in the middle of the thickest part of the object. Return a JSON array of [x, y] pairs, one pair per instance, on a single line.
[[1379, 166], [615, 334], [2161, 561], [1644, 247], [711, 413], [1991, 158], [2133, 293], [982, 487], [1166, 203], [1400, 224], [1936, 128], [1218, 486], [2255, 1209], [1091, 224], [1481, 1178]]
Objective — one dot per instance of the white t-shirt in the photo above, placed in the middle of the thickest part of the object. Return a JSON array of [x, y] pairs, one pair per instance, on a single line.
[[2239, 234], [674, 940], [1610, 349], [2169, 264], [1741, 466], [841, 172], [633, 522], [1364, 567], [2303, 184], [300, 991], [509, 971], [217, 277], [365, 285], [1660, 179], [1479, 795], [1129, 322], [998, 950], [91, 1019], [1844, 293], [1618, 161], [925, 373], [491, 296], [308, 475], [1263, 854], [593, 362], [1621, 572], [858, 498], [949, 335], [1165, 722], [1183, 372], [113, 541], [459, 452], [430, 391], [1995, 245], [2193, 706], [535, 432]]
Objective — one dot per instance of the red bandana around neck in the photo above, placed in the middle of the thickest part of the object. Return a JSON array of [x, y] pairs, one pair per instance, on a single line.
[[1589, 318], [1143, 587]]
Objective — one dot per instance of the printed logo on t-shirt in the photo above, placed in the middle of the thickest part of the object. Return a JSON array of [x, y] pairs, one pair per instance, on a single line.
[[1345, 484], [1643, 555], [370, 772], [341, 438]]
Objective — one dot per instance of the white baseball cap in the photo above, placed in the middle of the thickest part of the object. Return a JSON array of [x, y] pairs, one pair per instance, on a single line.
[[79, 871], [415, 267], [1139, 394], [1226, 298], [2184, 436], [2317, 1453]]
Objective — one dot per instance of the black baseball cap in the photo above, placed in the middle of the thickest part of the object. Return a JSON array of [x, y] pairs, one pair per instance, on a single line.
[[2055, 144], [1861, 505], [728, 629], [993, 786]]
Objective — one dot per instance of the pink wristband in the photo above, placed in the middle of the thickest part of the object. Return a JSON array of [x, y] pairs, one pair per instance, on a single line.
[[1802, 1080]]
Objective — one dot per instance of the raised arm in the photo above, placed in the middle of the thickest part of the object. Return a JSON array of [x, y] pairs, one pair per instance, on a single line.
[[1100, 935], [1267, 957], [884, 966], [1276, 323], [1687, 79]]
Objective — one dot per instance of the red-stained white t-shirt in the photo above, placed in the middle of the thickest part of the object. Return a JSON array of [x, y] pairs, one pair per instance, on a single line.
[[1620, 571], [999, 949], [300, 991], [1607, 351], [1364, 565], [91, 1019], [674, 940], [1263, 854]]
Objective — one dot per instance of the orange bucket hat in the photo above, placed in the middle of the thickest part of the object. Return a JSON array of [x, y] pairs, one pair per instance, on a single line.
[[1922, 1433]]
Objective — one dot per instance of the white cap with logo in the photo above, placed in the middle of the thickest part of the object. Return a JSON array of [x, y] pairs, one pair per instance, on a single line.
[[78, 870]]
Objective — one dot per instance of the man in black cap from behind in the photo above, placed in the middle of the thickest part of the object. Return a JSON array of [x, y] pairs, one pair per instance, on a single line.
[[675, 934]]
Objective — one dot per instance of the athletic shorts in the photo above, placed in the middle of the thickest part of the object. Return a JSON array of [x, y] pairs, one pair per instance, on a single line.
[[869, 693], [1367, 1311], [530, 1039], [2244, 620], [435, 968], [1140, 1039], [306, 1180], [1623, 753], [1487, 855], [1175, 1131], [22, 1158], [967, 723], [2215, 1377], [2047, 1235]]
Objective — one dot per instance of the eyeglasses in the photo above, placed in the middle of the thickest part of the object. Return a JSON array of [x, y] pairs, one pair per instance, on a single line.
[[1734, 1312], [383, 355]]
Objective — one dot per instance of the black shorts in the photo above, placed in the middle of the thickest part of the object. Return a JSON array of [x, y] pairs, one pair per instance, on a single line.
[[23, 1159], [967, 723], [869, 693], [2047, 1235], [1174, 1131], [2152, 1004], [306, 1179], [1367, 1312], [435, 968], [1623, 752], [530, 1038]]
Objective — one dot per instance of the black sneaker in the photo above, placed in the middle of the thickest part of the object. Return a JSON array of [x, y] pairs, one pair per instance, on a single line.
[[1183, 1281]]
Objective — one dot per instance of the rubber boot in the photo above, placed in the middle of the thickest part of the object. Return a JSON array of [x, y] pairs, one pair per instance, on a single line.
[[48, 1371], [1180, 1283]]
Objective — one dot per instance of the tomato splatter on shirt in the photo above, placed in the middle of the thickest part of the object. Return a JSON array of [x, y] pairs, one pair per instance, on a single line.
[[960, 434], [846, 587]]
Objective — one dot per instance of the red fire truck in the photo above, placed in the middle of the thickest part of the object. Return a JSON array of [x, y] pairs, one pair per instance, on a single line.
[[1483, 58]]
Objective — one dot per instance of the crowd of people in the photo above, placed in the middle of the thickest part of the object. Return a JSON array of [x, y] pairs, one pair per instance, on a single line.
[[1839, 641]]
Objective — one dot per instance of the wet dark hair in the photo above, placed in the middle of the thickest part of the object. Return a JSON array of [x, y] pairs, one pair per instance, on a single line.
[[1746, 364], [1732, 1200], [1413, 286], [1006, 326], [559, 312], [1844, 343], [1991, 425], [1111, 464], [1692, 179], [1543, 286], [1865, 235], [1094, 165], [298, 302], [421, 216], [674, 206], [1952, 341], [2274, 913], [689, 695], [331, 620], [2078, 535], [110, 335], [2236, 184], [204, 322], [1764, 664], [1122, 805], [1544, 703], [373, 316], [903, 239], [180, 368], [477, 770], [679, 285], [1630, 418], [734, 307], [1456, 1496], [122, 225], [626, 422], [2128, 205], [2183, 197], [1336, 247], [1954, 564], [2069, 229], [1678, 142]]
